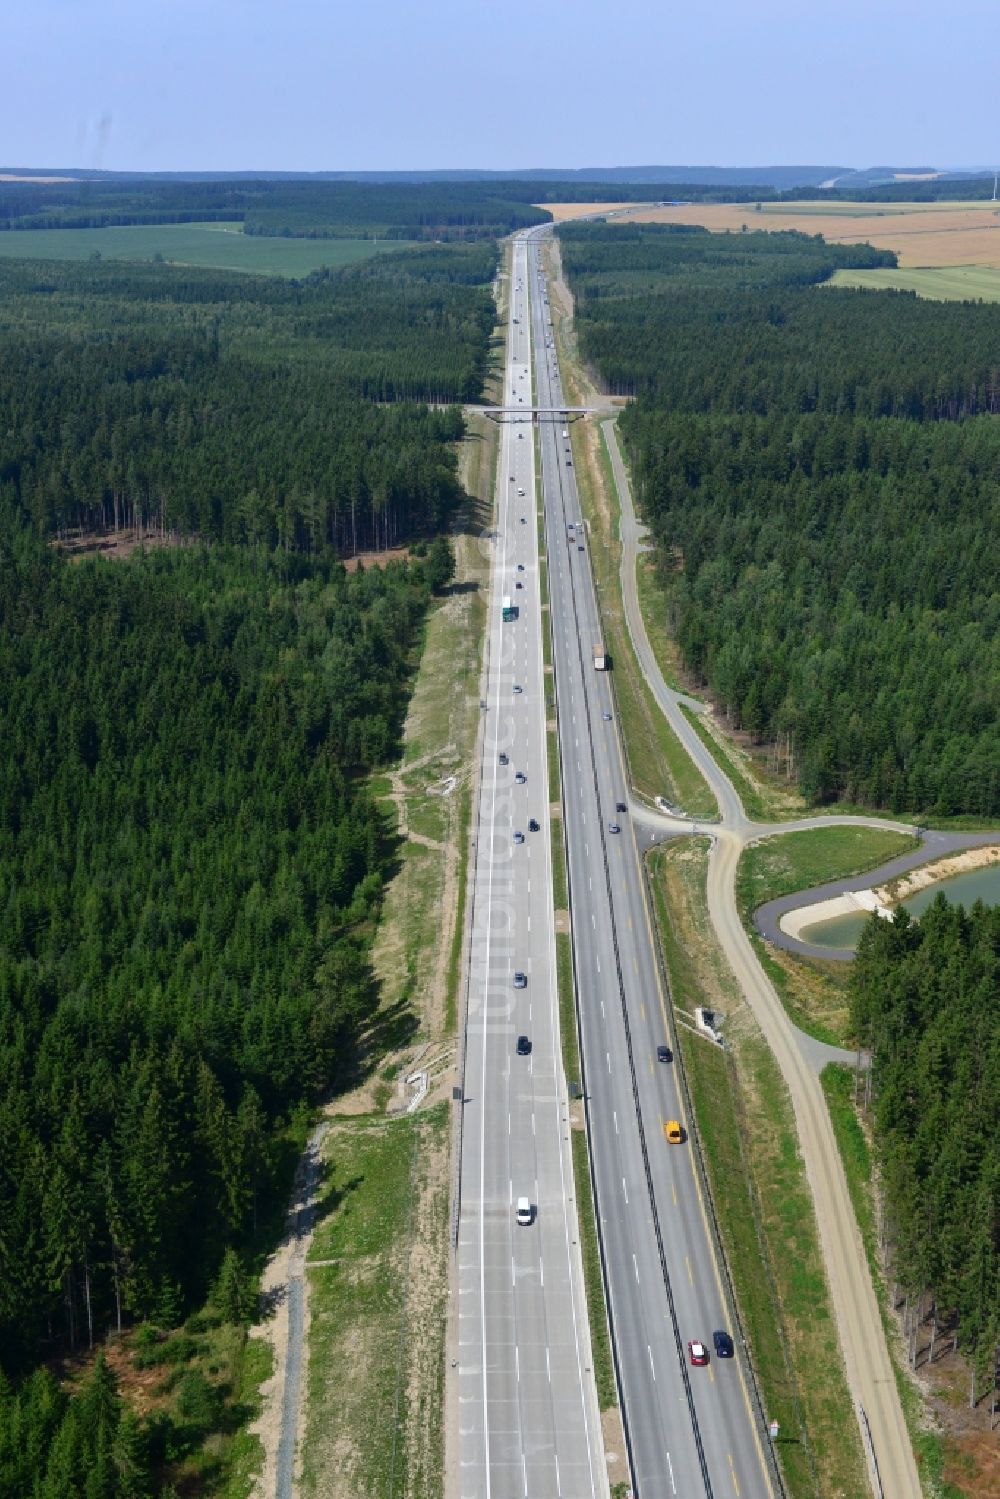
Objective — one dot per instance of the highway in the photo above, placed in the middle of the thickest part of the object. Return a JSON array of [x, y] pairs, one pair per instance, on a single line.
[[527, 1416], [690, 1430]]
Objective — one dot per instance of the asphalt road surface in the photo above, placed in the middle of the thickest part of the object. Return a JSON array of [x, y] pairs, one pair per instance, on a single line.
[[691, 1431], [528, 1419]]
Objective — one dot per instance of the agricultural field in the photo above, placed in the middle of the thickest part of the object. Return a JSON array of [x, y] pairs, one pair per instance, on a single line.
[[921, 234], [946, 283], [215, 246]]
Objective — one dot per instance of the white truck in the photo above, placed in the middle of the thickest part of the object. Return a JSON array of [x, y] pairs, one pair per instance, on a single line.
[[601, 659]]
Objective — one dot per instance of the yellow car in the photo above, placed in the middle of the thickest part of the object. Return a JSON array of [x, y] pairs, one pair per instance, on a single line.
[[673, 1132]]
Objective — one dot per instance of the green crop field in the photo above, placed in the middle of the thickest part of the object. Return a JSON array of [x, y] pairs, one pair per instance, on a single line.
[[943, 283], [219, 246]]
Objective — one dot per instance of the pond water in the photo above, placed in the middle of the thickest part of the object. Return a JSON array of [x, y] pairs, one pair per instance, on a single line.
[[962, 890]]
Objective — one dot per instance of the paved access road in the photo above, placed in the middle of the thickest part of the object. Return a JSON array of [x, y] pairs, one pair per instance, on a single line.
[[529, 1427], [691, 1431], [866, 1356]]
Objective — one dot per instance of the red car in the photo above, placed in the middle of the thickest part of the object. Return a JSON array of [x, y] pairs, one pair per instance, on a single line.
[[697, 1352]]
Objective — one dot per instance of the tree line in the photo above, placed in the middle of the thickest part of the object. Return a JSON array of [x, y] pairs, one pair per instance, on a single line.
[[288, 207], [190, 868], [924, 998], [817, 467]]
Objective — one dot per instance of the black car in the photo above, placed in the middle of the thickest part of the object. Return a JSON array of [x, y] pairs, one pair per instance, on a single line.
[[620, 807], [723, 1344], [524, 1049], [664, 1054], [532, 824]]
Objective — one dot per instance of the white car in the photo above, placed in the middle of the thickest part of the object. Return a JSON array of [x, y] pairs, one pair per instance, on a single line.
[[523, 1212], [518, 836]]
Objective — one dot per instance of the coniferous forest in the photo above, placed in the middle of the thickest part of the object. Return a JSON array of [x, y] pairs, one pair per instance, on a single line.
[[191, 863], [819, 468], [237, 407], [924, 999]]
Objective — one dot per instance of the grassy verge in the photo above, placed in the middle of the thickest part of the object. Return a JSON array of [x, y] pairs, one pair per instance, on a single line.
[[458, 935], [929, 1447], [560, 894], [600, 1339], [376, 1342], [813, 991], [760, 1193], [758, 801], [651, 603], [657, 762], [552, 754], [568, 1041]]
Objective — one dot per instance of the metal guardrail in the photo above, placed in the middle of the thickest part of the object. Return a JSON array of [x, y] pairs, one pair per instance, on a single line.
[[866, 1432]]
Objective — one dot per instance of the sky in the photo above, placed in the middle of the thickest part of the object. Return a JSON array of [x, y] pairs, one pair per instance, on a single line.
[[341, 85]]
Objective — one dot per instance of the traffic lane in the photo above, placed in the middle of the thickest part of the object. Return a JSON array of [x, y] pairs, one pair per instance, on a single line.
[[644, 1331], [625, 1188], [546, 1140], [607, 766], [493, 959], [693, 1276]]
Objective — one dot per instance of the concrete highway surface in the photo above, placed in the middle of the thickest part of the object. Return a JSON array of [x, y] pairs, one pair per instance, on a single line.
[[528, 1418]]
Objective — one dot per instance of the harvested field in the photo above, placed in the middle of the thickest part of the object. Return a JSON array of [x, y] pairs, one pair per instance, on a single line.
[[922, 234], [561, 211]]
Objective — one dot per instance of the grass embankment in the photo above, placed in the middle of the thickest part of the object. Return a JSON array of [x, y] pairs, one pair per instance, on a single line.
[[657, 762], [216, 246], [761, 1196], [931, 1449], [417, 952], [813, 990], [378, 1298]]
